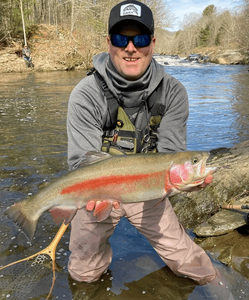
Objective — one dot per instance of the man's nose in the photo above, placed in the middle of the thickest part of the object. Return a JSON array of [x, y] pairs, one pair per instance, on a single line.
[[130, 47]]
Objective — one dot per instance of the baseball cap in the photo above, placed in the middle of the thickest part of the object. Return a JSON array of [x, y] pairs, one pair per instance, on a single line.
[[131, 10]]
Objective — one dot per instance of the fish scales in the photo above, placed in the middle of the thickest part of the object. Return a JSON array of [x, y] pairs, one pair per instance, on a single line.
[[128, 178]]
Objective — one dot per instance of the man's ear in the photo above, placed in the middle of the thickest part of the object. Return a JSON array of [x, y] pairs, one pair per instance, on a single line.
[[108, 43], [154, 43]]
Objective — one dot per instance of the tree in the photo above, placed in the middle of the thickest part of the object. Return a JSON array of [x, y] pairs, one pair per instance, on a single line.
[[242, 26], [23, 24], [209, 11], [204, 36]]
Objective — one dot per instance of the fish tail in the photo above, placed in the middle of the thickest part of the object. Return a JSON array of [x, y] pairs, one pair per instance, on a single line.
[[15, 212]]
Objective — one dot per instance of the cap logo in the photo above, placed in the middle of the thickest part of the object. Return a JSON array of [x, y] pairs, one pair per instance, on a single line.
[[130, 9]]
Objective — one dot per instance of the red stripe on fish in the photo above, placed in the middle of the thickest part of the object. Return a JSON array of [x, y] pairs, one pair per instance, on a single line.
[[108, 180]]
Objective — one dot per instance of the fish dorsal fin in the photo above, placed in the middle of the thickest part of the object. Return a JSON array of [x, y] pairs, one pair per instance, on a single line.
[[92, 157]]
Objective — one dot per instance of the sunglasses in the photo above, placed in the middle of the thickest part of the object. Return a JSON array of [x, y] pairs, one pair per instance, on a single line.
[[139, 41]]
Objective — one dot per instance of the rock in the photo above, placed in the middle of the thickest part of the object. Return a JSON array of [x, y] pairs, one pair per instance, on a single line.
[[227, 230], [193, 57], [222, 222], [221, 247], [227, 57], [240, 256], [226, 255], [230, 180], [230, 249]]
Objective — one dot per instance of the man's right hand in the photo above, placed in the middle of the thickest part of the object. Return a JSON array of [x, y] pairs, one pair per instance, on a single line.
[[94, 204]]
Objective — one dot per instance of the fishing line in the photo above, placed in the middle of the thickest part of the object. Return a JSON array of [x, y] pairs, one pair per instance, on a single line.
[[31, 274]]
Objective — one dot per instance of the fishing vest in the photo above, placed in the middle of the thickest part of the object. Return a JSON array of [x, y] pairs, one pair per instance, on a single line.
[[120, 135]]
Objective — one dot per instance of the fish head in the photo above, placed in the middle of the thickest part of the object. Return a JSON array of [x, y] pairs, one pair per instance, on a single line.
[[189, 171]]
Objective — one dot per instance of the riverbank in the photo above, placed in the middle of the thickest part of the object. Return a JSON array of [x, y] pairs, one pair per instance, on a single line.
[[52, 49], [55, 50]]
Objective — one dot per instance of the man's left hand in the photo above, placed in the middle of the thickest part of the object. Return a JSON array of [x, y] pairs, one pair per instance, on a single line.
[[206, 182]]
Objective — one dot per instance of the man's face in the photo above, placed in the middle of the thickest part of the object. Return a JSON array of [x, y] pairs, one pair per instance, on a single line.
[[129, 61]]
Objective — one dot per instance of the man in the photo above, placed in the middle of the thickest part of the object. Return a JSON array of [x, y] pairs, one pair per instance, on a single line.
[[26, 54], [131, 88]]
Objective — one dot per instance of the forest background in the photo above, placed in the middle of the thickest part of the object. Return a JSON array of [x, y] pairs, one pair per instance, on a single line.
[[73, 31]]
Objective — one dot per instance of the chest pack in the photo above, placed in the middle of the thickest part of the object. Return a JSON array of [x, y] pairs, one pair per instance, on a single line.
[[121, 136]]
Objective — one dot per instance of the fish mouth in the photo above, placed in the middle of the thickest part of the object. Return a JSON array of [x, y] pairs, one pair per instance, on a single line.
[[197, 177], [197, 180]]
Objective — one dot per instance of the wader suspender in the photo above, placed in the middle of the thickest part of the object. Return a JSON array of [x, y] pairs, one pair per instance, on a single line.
[[112, 103], [147, 120]]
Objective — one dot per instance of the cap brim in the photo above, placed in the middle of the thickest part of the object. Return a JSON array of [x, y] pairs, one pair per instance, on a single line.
[[118, 26]]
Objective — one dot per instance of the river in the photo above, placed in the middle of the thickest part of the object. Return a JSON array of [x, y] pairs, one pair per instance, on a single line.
[[33, 149]]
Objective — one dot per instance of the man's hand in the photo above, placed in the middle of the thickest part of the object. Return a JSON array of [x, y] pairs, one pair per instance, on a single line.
[[206, 182], [94, 204]]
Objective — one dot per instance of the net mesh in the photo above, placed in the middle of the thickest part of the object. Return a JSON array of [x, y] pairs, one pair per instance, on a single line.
[[30, 278]]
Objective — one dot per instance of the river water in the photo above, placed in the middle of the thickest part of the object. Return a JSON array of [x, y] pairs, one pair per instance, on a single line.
[[33, 148]]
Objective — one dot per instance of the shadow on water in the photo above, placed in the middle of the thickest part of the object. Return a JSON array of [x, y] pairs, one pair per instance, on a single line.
[[33, 146]]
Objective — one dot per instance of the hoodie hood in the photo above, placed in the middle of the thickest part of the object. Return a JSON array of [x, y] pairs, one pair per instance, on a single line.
[[130, 94]]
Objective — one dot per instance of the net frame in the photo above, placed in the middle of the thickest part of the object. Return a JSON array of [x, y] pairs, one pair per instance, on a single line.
[[50, 251]]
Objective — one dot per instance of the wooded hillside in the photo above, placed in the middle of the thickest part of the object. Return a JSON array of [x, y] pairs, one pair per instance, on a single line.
[[86, 23]]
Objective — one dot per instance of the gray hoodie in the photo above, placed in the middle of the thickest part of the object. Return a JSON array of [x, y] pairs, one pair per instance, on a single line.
[[87, 107]]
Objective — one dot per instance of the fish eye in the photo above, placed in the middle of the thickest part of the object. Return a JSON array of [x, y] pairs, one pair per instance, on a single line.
[[194, 160]]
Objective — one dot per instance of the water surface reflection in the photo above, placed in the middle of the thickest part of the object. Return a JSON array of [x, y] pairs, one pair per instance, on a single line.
[[33, 146]]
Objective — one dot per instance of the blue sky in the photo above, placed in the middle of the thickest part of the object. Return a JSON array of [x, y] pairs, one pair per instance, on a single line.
[[181, 7]]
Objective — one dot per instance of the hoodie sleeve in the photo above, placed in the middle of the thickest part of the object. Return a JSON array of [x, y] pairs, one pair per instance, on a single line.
[[86, 109], [172, 132]]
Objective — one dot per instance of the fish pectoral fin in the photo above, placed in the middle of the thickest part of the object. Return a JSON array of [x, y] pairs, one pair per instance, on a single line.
[[103, 210], [59, 214], [161, 200]]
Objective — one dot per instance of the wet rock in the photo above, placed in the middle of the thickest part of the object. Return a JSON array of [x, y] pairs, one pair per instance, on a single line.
[[220, 247], [222, 222], [230, 180], [198, 58], [240, 256], [194, 57], [226, 255], [226, 231]]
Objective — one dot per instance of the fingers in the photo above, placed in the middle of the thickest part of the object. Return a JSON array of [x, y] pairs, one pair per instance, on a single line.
[[209, 179], [90, 205], [93, 204], [115, 204]]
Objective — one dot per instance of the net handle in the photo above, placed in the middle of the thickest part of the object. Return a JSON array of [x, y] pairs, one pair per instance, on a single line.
[[49, 250]]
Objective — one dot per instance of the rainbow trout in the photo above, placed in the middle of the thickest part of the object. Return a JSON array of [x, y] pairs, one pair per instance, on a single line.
[[122, 178]]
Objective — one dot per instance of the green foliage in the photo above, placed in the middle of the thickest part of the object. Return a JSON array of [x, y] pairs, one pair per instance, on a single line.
[[178, 32], [219, 35], [11, 26], [204, 36], [209, 11]]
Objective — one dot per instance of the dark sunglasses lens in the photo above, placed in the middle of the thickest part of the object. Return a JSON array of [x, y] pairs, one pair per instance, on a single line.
[[142, 40], [119, 40]]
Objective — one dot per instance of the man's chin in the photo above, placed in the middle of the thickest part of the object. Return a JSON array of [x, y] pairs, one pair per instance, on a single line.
[[132, 76]]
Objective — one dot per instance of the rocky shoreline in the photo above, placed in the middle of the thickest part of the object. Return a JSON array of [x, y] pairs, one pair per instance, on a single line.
[[12, 62], [224, 233]]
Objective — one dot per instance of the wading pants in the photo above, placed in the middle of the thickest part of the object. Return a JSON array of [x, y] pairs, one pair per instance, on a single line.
[[92, 253]]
